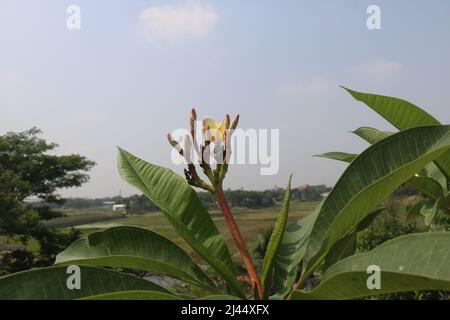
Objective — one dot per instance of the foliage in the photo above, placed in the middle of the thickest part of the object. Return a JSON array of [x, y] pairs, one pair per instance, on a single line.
[[29, 180], [324, 243], [402, 262], [386, 227], [259, 246], [434, 179]]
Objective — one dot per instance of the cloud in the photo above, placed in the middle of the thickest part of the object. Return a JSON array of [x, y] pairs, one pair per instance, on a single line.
[[377, 70], [317, 86], [172, 23]]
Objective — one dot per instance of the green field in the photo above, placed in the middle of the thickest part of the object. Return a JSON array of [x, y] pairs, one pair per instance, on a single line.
[[251, 222]]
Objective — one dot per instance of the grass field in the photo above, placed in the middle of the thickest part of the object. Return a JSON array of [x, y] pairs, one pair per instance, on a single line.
[[251, 222]]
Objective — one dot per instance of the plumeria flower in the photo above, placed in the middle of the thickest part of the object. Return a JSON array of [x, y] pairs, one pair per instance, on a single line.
[[214, 131], [217, 133]]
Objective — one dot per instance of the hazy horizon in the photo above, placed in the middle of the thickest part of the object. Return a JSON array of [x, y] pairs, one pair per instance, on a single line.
[[134, 69]]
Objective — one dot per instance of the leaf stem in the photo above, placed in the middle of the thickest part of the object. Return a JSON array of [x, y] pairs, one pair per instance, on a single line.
[[240, 242]]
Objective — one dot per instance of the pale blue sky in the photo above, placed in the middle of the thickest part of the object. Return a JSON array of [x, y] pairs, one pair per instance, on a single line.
[[130, 74]]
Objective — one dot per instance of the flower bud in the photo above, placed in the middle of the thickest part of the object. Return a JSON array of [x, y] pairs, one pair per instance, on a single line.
[[227, 121], [192, 119], [170, 139], [235, 122], [187, 148], [193, 115], [174, 144]]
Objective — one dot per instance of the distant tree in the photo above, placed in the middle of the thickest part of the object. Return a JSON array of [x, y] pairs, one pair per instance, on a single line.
[[29, 180]]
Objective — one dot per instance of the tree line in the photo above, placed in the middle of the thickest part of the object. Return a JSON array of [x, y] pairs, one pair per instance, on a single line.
[[237, 198]]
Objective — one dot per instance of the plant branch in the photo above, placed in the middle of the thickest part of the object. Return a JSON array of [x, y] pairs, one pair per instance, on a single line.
[[240, 242]]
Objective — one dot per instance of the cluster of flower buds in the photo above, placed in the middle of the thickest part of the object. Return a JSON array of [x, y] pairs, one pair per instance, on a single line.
[[215, 142]]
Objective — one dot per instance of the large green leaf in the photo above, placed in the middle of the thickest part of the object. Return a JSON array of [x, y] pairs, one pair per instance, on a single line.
[[290, 253], [134, 295], [430, 172], [368, 180], [429, 186], [432, 182], [413, 262], [400, 113], [371, 135], [275, 240], [135, 248], [403, 115], [51, 283], [184, 210]]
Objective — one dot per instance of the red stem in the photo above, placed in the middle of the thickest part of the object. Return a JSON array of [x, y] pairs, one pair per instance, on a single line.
[[240, 242]]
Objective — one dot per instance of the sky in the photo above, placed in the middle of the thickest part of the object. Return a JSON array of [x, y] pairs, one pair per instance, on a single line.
[[134, 68]]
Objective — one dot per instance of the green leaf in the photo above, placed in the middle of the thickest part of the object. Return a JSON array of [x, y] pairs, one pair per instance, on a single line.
[[414, 211], [337, 155], [432, 182], [428, 186], [432, 171], [347, 245], [414, 262], [275, 240], [290, 253], [184, 210], [371, 135], [402, 115], [51, 283], [428, 183], [422, 183], [443, 164], [342, 249], [368, 180], [135, 248], [365, 223], [429, 210], [134, 295]]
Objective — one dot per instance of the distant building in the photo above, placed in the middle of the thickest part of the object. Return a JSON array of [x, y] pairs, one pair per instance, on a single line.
[[309, 192], [119, 207]]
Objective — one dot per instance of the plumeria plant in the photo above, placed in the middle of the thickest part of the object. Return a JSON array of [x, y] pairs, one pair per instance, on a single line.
[[216, 142], [321, 245]]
